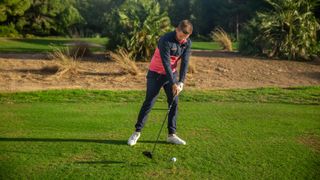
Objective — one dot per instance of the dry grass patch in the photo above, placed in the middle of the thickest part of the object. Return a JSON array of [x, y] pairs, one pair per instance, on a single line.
[[66, 64], [192, 66], [124, 60], [312, 141], [220, 36]]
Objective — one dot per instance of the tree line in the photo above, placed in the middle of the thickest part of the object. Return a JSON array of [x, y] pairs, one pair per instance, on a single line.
[[275, 28], [90, 17]]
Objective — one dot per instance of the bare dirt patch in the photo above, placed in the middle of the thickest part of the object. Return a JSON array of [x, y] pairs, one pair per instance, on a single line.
[[311, 141], [214, 70]]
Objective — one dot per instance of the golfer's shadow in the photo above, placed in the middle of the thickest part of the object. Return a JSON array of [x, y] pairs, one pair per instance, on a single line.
[[103, 162], [116, 142], [102, 141], [107, 162]]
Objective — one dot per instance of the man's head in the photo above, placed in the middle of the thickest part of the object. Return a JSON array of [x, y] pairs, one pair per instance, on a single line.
[[184, 30]]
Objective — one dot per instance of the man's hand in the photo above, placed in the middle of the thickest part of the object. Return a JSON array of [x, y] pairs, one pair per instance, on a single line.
[[180, 85], [177, 88]]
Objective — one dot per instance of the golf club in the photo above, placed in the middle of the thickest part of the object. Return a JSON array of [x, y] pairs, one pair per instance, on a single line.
[[148, 153]]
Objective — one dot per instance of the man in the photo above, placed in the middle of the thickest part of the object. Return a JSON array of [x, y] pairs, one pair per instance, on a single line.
[[172, 47]]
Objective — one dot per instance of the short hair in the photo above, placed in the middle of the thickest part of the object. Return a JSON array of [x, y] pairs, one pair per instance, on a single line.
[[185, 26]]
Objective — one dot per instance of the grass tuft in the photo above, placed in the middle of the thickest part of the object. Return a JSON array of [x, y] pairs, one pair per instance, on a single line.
[[124, 60], [220, 36], [66, 63]]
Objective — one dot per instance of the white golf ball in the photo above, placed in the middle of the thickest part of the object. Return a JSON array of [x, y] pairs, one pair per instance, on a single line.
[[174, 159]]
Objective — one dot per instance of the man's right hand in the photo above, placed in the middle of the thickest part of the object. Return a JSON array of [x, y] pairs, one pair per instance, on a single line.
[[177, 88], [175, 91]]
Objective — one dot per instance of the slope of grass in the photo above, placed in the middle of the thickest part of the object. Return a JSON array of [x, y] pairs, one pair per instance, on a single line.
[[269, 133]]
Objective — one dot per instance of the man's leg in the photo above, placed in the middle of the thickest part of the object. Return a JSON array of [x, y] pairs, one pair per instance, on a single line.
[[172, 117], [154, 84]]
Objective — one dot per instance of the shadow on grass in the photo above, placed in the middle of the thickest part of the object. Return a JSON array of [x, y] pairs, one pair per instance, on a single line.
[[115, 142], [104, 73], [108, 162], [100, 162], [51, 70]]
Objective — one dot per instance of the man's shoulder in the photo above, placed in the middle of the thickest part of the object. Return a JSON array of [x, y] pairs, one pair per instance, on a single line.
[[189, 41], [168, 36]]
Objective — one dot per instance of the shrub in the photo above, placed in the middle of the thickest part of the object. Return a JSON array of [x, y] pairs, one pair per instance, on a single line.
[[136, 26], [124, 60], [287, 31], [248, 43], [66, 63], [220, 36], [9, 31]]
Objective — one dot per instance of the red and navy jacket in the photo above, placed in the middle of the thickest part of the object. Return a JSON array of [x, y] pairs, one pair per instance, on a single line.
[[167, 55]]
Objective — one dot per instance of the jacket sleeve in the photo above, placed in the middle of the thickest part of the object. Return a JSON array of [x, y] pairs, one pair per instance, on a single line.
[[184, 63], [164, 48]]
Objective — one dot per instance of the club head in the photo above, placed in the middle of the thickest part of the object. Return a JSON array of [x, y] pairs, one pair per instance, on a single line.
[[148, 154]]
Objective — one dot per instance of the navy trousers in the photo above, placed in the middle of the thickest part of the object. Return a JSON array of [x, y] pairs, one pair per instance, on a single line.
[[155, 82]]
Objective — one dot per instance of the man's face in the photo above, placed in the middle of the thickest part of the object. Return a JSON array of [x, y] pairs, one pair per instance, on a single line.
[[180, 35]]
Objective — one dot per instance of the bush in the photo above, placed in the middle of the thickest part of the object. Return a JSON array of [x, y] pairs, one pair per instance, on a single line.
[[66, 64], [136, 26], [123, 59], [288, 31], [220, 36], [248, 44], [9, 31]]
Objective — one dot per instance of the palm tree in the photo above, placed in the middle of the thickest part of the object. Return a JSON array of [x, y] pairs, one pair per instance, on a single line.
[[137, 26], [290, 29]]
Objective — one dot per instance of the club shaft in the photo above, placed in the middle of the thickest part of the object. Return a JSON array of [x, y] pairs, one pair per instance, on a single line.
[[169, 109]]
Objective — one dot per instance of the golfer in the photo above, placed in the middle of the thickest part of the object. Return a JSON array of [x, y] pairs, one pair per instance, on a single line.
[[162, 72]]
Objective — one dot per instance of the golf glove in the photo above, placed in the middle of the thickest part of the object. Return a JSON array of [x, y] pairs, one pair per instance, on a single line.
[[180, 87]]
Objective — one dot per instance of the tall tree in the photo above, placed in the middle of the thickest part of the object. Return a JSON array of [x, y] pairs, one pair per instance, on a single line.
[[50, 17], [12, 8], [94, 13], [11, 12]]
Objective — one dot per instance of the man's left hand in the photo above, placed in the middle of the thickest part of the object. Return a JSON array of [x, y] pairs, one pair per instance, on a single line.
[[180, 87]]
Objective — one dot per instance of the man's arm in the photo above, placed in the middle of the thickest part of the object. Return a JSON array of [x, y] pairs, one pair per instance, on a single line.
[[184, 63], [165, 57]]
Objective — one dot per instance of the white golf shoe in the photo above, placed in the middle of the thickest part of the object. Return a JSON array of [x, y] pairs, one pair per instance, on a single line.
[[133, 138], [174, 139]]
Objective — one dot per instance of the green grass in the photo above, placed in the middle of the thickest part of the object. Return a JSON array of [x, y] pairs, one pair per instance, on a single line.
[[295, 95], [210, 46], [82, 134], [41, 45]]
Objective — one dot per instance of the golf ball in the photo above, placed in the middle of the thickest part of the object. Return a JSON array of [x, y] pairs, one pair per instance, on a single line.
[[174, 159]]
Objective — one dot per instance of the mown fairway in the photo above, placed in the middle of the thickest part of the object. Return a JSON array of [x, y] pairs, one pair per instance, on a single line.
[[240, 134], [42, 45]]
